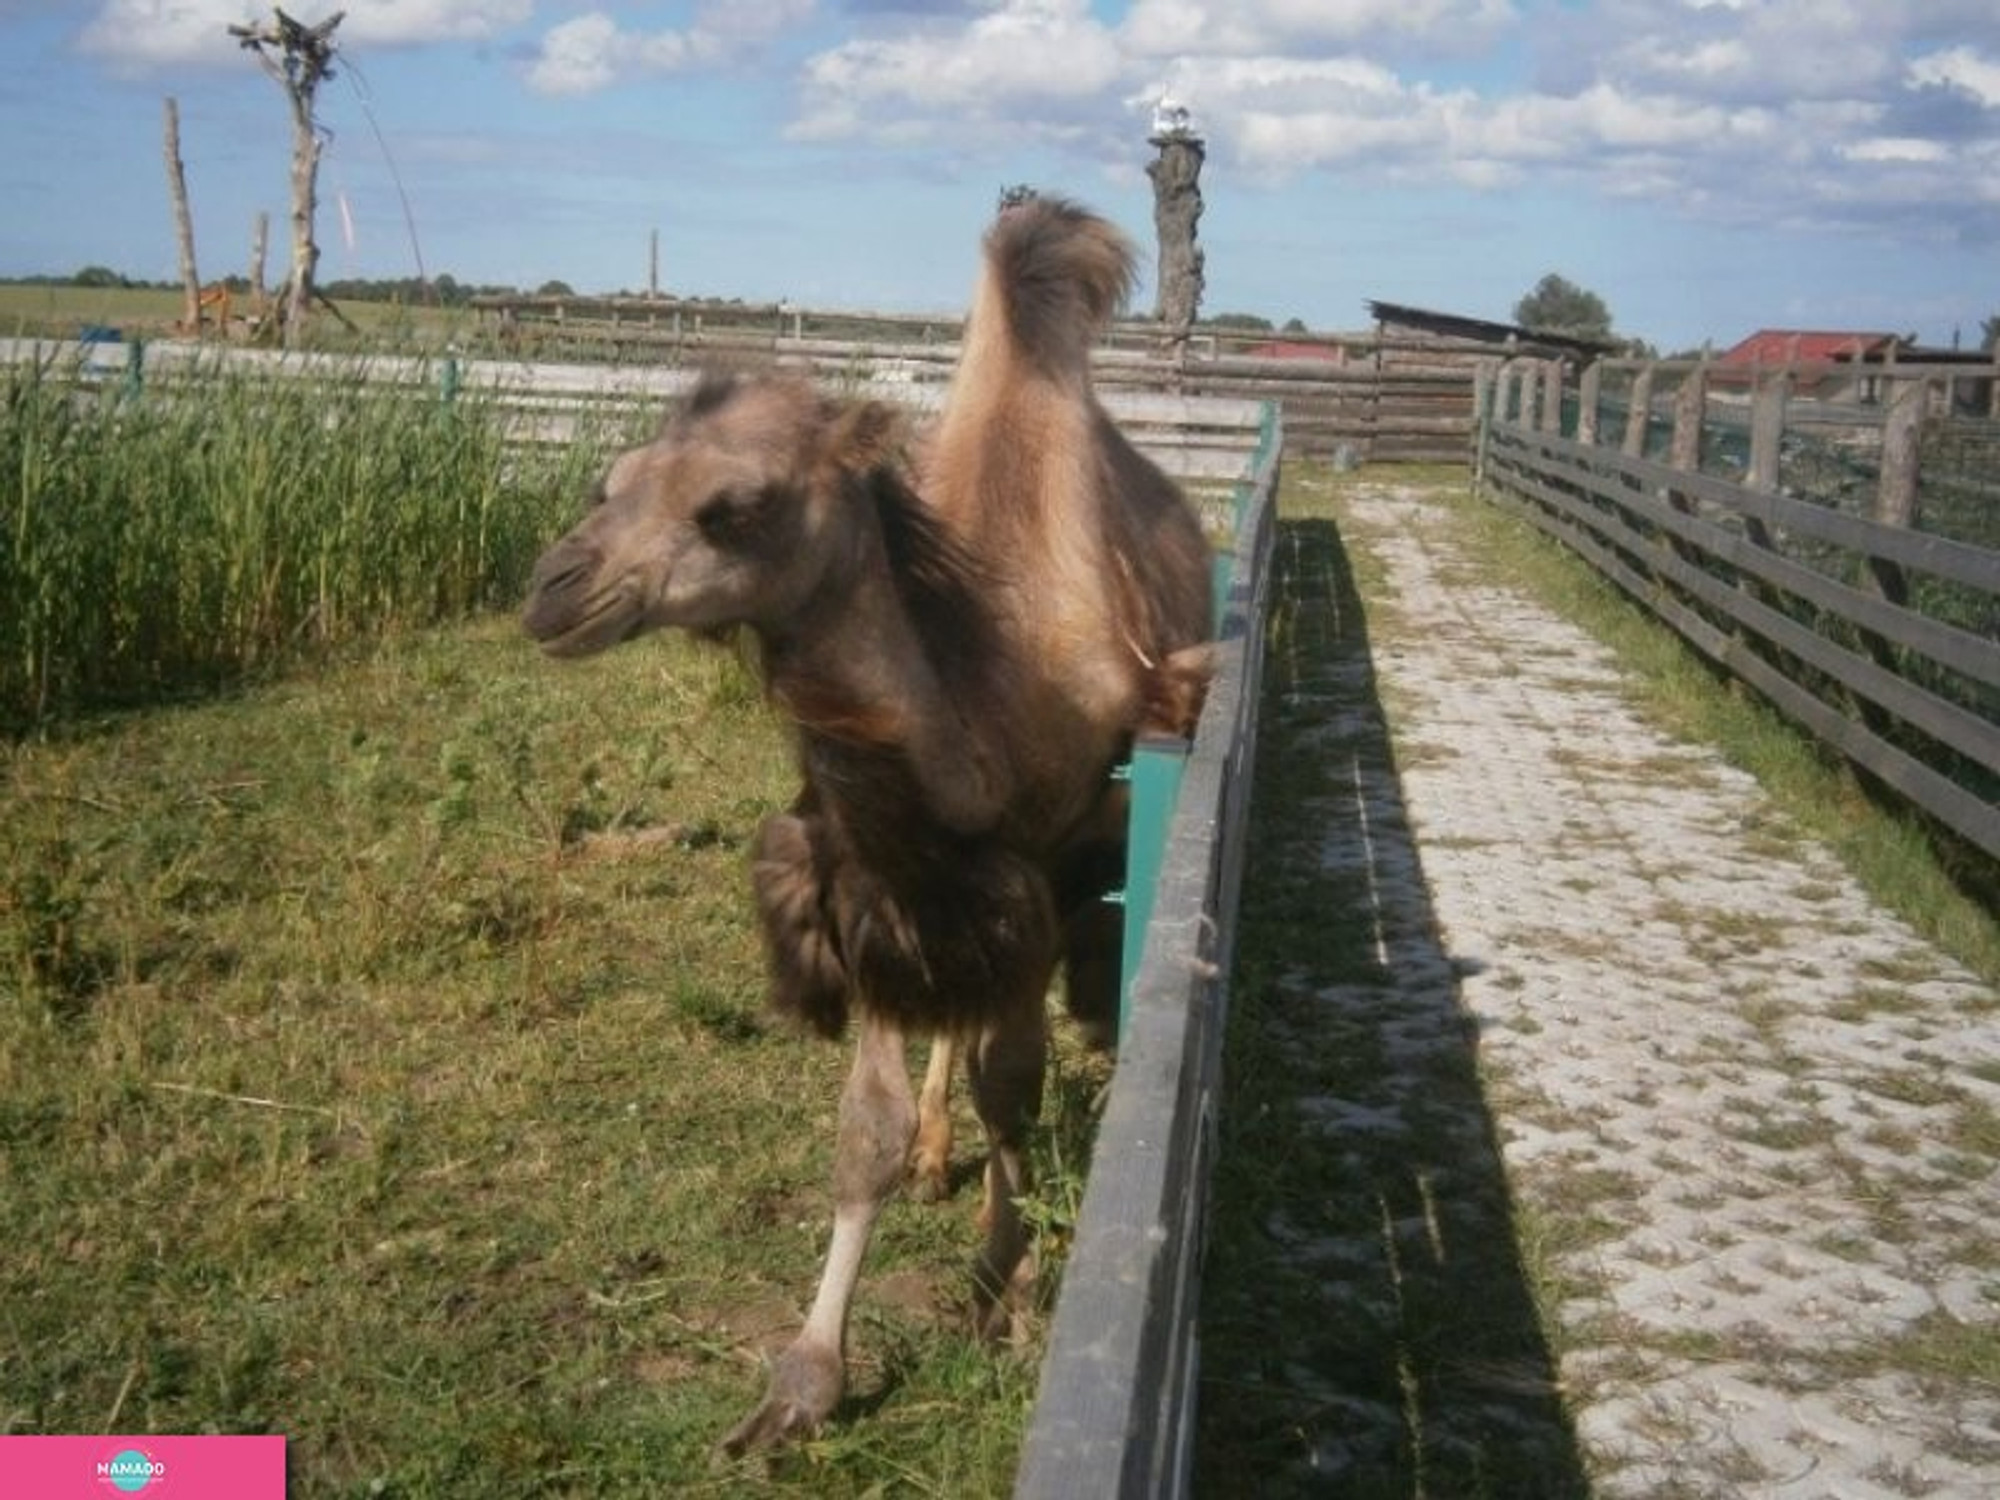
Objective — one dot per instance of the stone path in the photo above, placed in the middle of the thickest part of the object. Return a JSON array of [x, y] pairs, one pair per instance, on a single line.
[[1777, 1108]]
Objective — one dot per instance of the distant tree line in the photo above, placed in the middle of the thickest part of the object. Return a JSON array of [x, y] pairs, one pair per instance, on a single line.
[[440, 291], [1555, 305]]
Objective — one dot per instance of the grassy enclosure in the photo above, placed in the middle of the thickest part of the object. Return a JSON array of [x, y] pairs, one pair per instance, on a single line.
[[382, 1060], [381, 1063]]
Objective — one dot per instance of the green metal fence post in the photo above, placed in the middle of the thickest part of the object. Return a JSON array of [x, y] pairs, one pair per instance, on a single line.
[[135, 369], [1158, 763]]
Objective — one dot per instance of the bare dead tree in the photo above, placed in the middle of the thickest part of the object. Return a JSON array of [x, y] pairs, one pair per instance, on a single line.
[[260, 236], [298, 59], [183, 220], [1176, 175]]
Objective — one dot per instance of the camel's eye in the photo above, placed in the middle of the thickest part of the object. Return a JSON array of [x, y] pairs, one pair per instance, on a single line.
[[736, 518], [598, 494]]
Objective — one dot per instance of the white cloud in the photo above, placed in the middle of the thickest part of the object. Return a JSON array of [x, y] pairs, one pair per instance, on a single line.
[[1960, 68], [136, 35], [1007, 65], [1894, 149], [1788, 108], [1250, 28], [592, 51], [577, 57]]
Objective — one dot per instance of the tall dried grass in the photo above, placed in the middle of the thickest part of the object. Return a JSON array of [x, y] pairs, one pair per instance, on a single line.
[[202, 529]]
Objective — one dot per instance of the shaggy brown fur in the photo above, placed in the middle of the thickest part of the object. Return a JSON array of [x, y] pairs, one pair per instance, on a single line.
[[962, 670]]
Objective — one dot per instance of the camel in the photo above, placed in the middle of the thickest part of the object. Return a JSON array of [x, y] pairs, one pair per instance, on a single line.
[[963, 650]]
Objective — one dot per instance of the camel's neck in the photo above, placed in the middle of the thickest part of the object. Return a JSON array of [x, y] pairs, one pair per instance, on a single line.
[[894, 660]]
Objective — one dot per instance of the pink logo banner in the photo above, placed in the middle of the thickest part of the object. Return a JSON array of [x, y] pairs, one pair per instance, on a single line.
[[157, 1468]]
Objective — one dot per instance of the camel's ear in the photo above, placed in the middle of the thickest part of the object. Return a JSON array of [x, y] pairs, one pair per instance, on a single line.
[[862, 436]]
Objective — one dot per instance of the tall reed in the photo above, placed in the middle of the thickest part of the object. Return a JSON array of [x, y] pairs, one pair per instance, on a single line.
[[221, 523]]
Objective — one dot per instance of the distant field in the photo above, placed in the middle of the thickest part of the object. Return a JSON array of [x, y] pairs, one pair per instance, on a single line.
[[60, 311], [77, 305]]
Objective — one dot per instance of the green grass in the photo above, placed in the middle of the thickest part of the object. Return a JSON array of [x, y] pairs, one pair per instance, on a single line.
[[59, 311], [382, 1063]]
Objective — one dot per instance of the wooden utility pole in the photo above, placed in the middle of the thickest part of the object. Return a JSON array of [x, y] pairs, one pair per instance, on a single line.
[[298, 58], [183, 221]]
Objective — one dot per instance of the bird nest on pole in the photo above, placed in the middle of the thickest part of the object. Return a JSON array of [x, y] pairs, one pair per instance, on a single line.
[[304, 53]]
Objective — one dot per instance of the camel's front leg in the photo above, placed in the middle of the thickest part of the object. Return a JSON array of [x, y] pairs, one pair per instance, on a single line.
[[877, 1121], [1005, 1068], [930, 1158]]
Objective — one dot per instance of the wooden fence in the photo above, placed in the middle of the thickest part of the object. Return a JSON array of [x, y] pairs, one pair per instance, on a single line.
[[1844, 610], [1360, 398], [1115, 1412], [1375, 397], [1201, 440]]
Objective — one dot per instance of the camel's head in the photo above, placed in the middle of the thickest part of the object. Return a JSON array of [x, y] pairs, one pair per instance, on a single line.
[[733, 515]]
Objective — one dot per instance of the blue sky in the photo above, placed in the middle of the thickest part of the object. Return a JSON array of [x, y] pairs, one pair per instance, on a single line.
[[1708, 167]]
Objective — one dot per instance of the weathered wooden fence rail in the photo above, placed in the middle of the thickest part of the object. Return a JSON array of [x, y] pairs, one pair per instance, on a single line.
[[1371, 398], [1878, 636], [1201, 440], [1114, 1414], [1375, 396]]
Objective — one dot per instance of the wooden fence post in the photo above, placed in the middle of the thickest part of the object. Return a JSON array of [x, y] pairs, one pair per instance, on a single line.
[[1767, 430], [1586, 403], [1768, 407], [1896, 499], [1531, 397], [1690, 402], [1485, 378], [1640, 415], [1552, 397]]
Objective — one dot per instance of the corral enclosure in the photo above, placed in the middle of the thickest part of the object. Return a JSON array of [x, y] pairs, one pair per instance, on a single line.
[[1648, 509], [444, 875]]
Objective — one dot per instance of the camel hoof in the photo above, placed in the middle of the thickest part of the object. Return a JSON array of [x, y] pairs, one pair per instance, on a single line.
[[806, 1383], [1000, 1308], [930, 1182]]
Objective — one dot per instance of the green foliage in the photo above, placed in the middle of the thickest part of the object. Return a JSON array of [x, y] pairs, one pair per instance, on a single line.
[[224, 525], [1248, 322], [1559, 306], [443, 290]]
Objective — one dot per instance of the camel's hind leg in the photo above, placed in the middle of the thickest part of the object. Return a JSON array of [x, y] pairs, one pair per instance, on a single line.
[[930, 1158], [877, 1121], [1006, 1067]]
